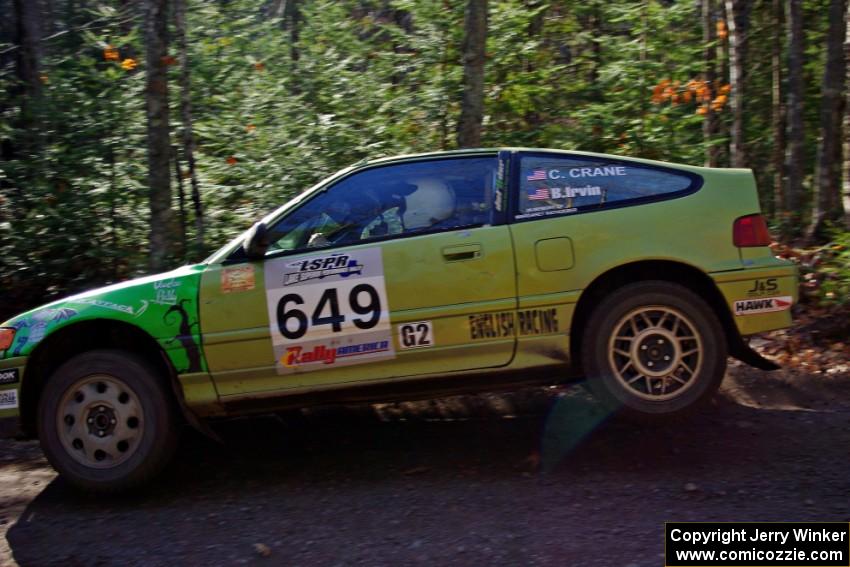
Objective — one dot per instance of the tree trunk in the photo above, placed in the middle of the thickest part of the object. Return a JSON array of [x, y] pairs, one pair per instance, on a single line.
[[709, 124], [738, 20], [777, 110], [723, 47], [827, 205], [181, 202], [188, 135], [159, 147], [26, 94], [293, 19], [795, 154], [474, 44], [29, 51], [846, 199]]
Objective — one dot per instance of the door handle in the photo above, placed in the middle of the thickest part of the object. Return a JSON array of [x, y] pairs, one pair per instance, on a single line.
[[461, 252]]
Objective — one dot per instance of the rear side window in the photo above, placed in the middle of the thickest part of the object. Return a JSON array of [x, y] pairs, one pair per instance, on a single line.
[[555, 185]]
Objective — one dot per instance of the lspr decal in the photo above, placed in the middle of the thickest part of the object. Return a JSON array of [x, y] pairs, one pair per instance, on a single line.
[[328, 310]]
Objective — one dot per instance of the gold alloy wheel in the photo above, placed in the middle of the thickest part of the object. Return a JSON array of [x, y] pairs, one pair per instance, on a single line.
[[100, 421], [655, 352]]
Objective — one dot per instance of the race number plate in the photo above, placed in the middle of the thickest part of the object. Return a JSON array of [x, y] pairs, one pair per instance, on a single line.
[[328, 310]]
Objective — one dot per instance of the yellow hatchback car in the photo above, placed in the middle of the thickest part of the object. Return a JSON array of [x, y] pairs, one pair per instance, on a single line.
[[415, 276]]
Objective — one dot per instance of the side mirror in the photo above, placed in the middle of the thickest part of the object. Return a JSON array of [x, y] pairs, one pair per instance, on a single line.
[[256, 241]]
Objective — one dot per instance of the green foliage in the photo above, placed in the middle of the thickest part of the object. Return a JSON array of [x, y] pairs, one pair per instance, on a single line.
[[274, 114], [830, 266]]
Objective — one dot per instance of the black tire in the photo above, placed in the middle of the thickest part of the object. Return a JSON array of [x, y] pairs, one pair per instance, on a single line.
[[107, 422], [640, 363]]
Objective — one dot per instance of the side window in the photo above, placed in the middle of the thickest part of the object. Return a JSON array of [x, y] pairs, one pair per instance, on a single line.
[[392, 200], [554, 185]]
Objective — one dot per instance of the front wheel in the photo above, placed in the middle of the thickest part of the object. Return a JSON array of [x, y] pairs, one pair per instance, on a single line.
[[653, 349], [106, 421]]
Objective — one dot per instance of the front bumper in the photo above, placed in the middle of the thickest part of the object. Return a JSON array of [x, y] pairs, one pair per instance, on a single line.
[[11, 378]]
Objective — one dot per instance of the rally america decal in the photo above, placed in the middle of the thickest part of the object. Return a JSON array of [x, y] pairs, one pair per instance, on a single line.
[[328, 310], [765, 305]]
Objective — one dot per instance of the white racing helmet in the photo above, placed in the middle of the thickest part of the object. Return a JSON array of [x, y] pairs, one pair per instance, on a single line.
[[432, 202]]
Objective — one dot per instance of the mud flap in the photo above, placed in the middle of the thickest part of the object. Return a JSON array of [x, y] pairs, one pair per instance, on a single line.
[[742, 351]]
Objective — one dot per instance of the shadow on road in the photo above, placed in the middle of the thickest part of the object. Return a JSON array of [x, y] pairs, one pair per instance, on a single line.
[[559, 483]]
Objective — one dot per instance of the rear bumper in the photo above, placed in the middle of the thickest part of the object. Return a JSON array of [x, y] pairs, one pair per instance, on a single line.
[[760, 299]]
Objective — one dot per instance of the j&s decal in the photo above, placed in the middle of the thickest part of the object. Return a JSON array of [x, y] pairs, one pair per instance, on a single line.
[[8, 399], [763, 287], [765, 305], [330, 308]]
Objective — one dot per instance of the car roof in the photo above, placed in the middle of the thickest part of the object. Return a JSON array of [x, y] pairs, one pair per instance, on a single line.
[[368, 162]]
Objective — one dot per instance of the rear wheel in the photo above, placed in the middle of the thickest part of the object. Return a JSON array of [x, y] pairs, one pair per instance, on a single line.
[[106, 421], [653, 349]]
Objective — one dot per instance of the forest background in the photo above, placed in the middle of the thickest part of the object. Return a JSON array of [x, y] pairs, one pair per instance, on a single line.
[[139, 135]]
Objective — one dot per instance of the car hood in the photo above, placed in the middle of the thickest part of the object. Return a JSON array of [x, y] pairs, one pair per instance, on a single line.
[[156, 303]]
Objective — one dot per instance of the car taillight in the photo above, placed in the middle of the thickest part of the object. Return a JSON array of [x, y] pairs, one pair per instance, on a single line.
[[751, 230], [7, 336]]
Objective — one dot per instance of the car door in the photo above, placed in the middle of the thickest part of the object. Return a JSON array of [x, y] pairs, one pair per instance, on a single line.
[[396, 270]]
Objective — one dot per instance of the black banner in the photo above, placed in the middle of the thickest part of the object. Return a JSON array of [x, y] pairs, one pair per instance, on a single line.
[[757, 544]]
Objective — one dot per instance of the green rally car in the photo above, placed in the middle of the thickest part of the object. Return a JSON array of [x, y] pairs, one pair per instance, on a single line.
[[409, 277]]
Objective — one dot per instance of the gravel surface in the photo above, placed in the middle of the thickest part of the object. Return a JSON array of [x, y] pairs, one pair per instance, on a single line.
[[534, 479]]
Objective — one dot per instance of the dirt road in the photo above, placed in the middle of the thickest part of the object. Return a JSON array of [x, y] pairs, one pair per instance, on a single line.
[[557, 485]]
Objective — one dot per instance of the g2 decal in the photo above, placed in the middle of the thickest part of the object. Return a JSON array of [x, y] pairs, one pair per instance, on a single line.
[[416, 335], [328, 310]]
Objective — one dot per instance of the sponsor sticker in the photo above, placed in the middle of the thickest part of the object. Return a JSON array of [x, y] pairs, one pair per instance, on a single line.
[[416, 335], [763, 305], [166, 291], [763, 287], [10, 376], [328, 310], [527, 322], [240, 278], [8, 399]]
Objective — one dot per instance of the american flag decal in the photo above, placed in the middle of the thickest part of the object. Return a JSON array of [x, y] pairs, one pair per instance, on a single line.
[[537, 175], [538, 194]]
